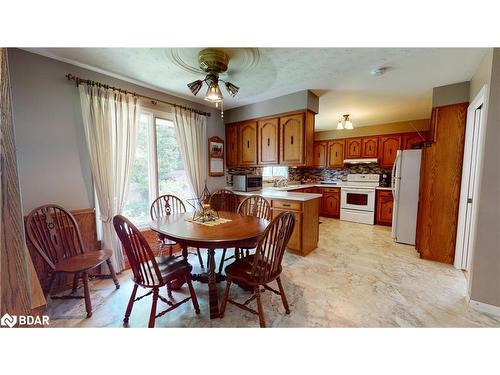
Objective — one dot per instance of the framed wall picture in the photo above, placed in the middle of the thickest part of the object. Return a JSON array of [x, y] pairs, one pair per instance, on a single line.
[[215, 156]]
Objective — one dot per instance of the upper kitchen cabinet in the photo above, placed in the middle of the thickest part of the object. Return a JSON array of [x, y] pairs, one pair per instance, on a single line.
[[268, 141], [353, 148], [292, 139], [232, 145], [248, 143], [319, 154], [388, 148], [411, 139], [369, 147], [336, 153]]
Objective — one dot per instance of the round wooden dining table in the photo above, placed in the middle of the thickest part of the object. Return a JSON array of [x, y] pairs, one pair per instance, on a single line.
[[240, 231]]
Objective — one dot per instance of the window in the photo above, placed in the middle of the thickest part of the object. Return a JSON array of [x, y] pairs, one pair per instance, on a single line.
[[158, 167], [272, 173]]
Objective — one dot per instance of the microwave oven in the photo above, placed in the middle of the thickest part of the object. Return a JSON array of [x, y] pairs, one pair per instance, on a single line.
[[247, 182]]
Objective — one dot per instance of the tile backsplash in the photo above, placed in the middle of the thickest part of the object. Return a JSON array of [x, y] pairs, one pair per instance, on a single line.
[[308, 174]]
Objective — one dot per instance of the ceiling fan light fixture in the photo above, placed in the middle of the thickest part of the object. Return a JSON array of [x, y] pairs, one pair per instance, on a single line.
[[232, 89], [195, 86], [214, 95]]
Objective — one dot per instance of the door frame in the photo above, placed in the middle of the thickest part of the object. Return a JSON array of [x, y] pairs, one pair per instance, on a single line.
[[462, 258]]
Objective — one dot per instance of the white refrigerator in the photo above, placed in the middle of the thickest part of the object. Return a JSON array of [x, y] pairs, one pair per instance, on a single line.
[[405, 190]]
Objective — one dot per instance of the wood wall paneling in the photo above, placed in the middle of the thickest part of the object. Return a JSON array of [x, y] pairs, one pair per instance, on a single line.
[[16, 282]]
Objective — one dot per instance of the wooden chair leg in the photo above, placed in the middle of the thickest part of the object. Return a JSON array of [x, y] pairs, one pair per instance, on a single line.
[[49, 285], [200, 259], [169, 290], [237, 253], [113, 273], [130, 304], [75, 283], [224, 299], [283, 296], [88, 304], [152, 315], [259, 308], [222, 260], [193, 295]]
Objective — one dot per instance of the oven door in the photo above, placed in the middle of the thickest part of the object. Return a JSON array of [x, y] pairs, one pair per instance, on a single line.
[[358, 199]]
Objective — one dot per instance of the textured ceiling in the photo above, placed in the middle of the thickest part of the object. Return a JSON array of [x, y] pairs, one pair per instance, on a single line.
[[340, 76]]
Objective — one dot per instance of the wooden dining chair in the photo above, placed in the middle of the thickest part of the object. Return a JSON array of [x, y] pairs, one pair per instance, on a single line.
[[224, 200], [163, 206], [54, 233], [263, 267], [150, 272], [257, 206]]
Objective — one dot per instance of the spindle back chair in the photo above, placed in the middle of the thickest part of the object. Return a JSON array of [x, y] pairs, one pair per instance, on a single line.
[[55, 235], [224, 200], [150, 272], [262, 267]]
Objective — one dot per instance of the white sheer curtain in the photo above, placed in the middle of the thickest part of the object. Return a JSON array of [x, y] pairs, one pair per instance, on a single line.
[[191, 133], [110, 120]]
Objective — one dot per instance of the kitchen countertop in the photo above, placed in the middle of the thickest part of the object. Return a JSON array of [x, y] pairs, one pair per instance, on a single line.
[[271, 193]]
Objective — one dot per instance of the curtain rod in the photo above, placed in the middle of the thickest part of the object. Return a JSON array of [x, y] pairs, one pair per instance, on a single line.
[[89, 82]]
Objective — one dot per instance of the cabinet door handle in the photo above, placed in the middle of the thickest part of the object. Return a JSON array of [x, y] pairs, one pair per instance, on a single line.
[[286, 205], [335, 154], [291, 140], [268, 142], [248, 144]]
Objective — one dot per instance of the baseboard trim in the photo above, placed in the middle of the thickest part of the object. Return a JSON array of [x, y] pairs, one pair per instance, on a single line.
[[485, 307]]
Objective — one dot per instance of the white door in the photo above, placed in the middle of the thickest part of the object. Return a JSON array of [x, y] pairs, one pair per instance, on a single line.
[[468, 194]]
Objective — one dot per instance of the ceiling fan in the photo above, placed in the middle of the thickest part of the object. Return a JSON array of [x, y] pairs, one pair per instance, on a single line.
[[213, 62]]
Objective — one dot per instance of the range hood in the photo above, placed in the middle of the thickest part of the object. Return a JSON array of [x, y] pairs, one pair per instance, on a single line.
[[361, 161]]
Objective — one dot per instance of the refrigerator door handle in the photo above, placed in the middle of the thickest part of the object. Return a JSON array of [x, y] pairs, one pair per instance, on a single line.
[[393, 184]]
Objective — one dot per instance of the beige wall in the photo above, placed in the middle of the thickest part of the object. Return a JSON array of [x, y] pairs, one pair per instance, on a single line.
[[52, 156], [450, 94], [389, 128], [485, 275]]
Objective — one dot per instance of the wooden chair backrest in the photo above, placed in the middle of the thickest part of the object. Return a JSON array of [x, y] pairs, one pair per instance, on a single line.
[[166, 205], [224, 200], [54, 233], [139, 253], [257, 206], [271, 247]]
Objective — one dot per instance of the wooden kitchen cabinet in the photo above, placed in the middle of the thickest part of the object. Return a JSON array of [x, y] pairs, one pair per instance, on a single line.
[[440, 180], [388, 148], [305, 233], [232, 145], [267, 141], [353, 148], [369, 147], [292, 139], [248, 143], [384, 207], [319, 154], [408, 140], [336, 153], [331, 202]]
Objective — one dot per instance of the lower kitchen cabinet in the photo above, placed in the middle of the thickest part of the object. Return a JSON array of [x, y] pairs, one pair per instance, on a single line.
[[305, 234], [383, 210], [331, 202]]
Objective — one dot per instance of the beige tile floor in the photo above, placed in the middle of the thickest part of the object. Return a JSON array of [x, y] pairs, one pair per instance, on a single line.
[[357, 277]]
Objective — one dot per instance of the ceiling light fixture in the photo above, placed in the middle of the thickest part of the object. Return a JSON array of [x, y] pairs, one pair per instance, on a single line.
[[345, 123], [213, 62]]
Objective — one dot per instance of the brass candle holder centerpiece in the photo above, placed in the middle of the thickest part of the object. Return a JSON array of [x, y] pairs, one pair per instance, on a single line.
[[205, 214]]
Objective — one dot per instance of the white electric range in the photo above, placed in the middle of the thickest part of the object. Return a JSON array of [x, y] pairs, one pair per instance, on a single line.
[[357, 198]]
